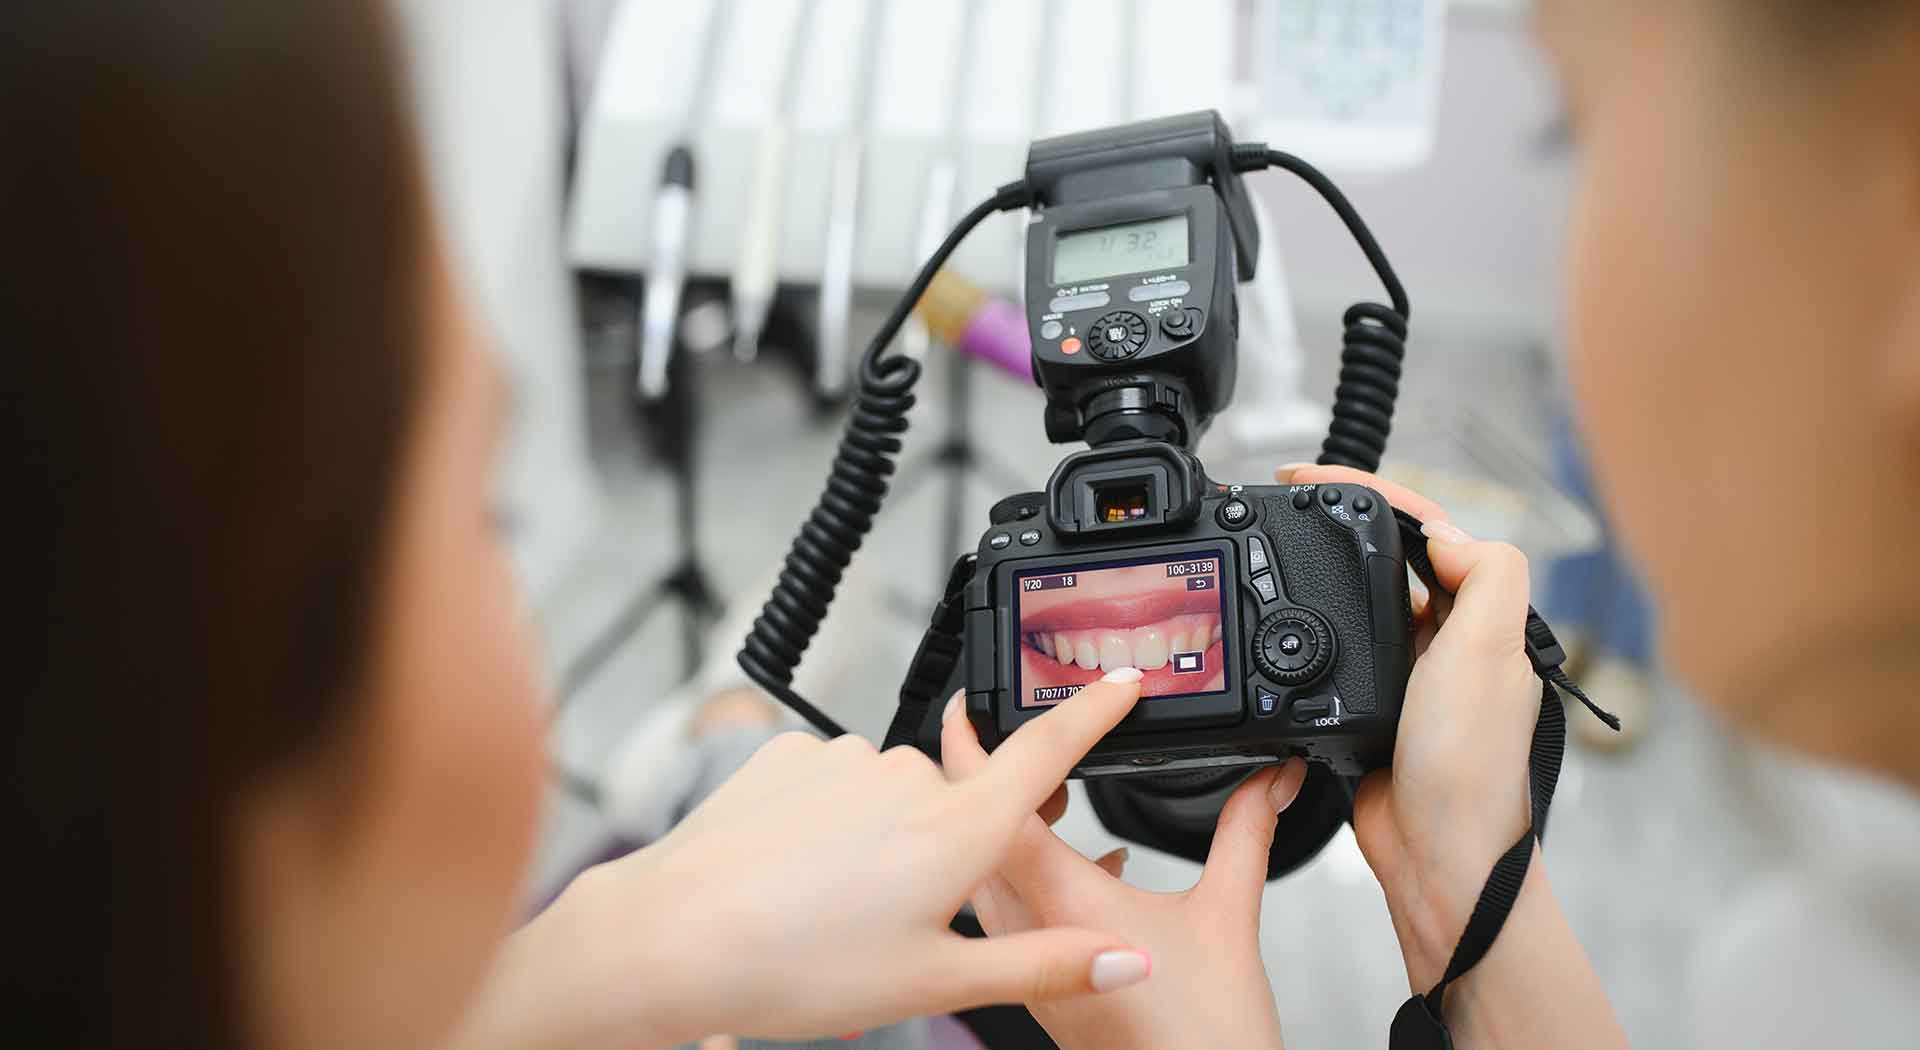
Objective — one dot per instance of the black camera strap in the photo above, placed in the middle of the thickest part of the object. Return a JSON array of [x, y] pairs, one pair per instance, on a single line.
[[1421, 1022], [934, 661]]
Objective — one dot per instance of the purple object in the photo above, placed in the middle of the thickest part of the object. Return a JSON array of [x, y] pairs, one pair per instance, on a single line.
[[998, 333]]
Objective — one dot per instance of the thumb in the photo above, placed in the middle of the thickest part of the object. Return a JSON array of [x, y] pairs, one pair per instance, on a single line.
[[1040, 965], [1237, 860]]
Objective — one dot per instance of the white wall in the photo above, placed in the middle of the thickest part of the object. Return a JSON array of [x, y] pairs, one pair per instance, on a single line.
[[490, 84]]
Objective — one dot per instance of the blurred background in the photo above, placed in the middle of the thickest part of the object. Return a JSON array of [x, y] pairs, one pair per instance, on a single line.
[[656, 476]]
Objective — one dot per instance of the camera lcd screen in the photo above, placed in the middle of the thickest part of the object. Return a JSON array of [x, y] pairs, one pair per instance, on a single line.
[[1130, 247], [1162, 614]]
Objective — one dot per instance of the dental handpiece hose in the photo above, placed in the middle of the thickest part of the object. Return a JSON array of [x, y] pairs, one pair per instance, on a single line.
[[756, 274], [667, 275]]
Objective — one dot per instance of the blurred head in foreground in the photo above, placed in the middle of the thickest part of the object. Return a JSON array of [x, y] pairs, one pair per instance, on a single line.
[[271, 639], [1744, 311]]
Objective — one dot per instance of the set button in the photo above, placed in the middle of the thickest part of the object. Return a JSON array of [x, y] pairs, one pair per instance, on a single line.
[[1293, 646]]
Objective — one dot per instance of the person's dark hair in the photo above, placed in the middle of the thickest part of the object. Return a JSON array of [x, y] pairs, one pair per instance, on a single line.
[[1812, 28], [212, 303]]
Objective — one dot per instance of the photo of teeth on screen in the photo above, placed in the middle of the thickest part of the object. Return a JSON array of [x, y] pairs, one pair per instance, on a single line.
[[1162, 616]]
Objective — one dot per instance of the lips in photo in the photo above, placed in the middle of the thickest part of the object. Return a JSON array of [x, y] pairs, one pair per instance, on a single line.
[[1136, 616]]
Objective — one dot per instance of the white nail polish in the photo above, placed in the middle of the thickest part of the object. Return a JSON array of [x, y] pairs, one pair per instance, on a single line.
[[1118, 969], [953, 706], [1122, 675], [1445, 532]]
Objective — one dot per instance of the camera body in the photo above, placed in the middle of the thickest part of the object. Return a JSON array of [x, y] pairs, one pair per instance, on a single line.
[[1268, 620]]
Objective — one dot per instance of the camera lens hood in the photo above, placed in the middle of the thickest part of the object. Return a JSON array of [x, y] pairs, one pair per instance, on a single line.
[[1176, 813]]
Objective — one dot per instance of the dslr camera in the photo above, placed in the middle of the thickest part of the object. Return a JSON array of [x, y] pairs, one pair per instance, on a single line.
[[1269, 621]]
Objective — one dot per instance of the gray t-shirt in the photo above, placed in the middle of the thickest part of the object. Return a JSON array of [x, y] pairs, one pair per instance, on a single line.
[[1825, 951]]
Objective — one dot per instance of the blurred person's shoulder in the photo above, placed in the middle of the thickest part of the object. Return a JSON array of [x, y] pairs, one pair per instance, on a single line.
[[1825, 948]]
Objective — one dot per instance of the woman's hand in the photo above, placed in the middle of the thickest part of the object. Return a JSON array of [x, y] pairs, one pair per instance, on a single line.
[[1457, 797], [810, 895], [1209, 987]]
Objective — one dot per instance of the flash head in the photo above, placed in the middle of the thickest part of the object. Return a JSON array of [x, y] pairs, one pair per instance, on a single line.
[[1138, 236]]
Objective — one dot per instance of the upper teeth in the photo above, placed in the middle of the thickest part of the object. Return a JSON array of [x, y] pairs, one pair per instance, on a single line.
[[1147, 648]]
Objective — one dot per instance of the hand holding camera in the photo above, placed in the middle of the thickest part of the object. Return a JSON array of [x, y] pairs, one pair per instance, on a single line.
[[1211, 987]]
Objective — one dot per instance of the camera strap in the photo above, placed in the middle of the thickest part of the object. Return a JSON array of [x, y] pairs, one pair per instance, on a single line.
[[1421, 1021], [933, 663]]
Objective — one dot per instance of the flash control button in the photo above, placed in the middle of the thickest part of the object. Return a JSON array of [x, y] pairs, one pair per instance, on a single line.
[[1177, 323]]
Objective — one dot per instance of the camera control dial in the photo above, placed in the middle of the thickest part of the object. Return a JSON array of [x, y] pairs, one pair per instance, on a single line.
[[1117, 335], [1293, 646]]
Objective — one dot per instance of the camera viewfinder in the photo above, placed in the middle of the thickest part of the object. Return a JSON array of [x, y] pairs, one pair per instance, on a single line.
[[1120, 503]]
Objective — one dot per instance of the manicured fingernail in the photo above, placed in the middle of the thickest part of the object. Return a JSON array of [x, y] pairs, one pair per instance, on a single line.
[[1421, 596], [1122, 675], [953, 706], [1286, 787], [1118, 969], [1445, 532]]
